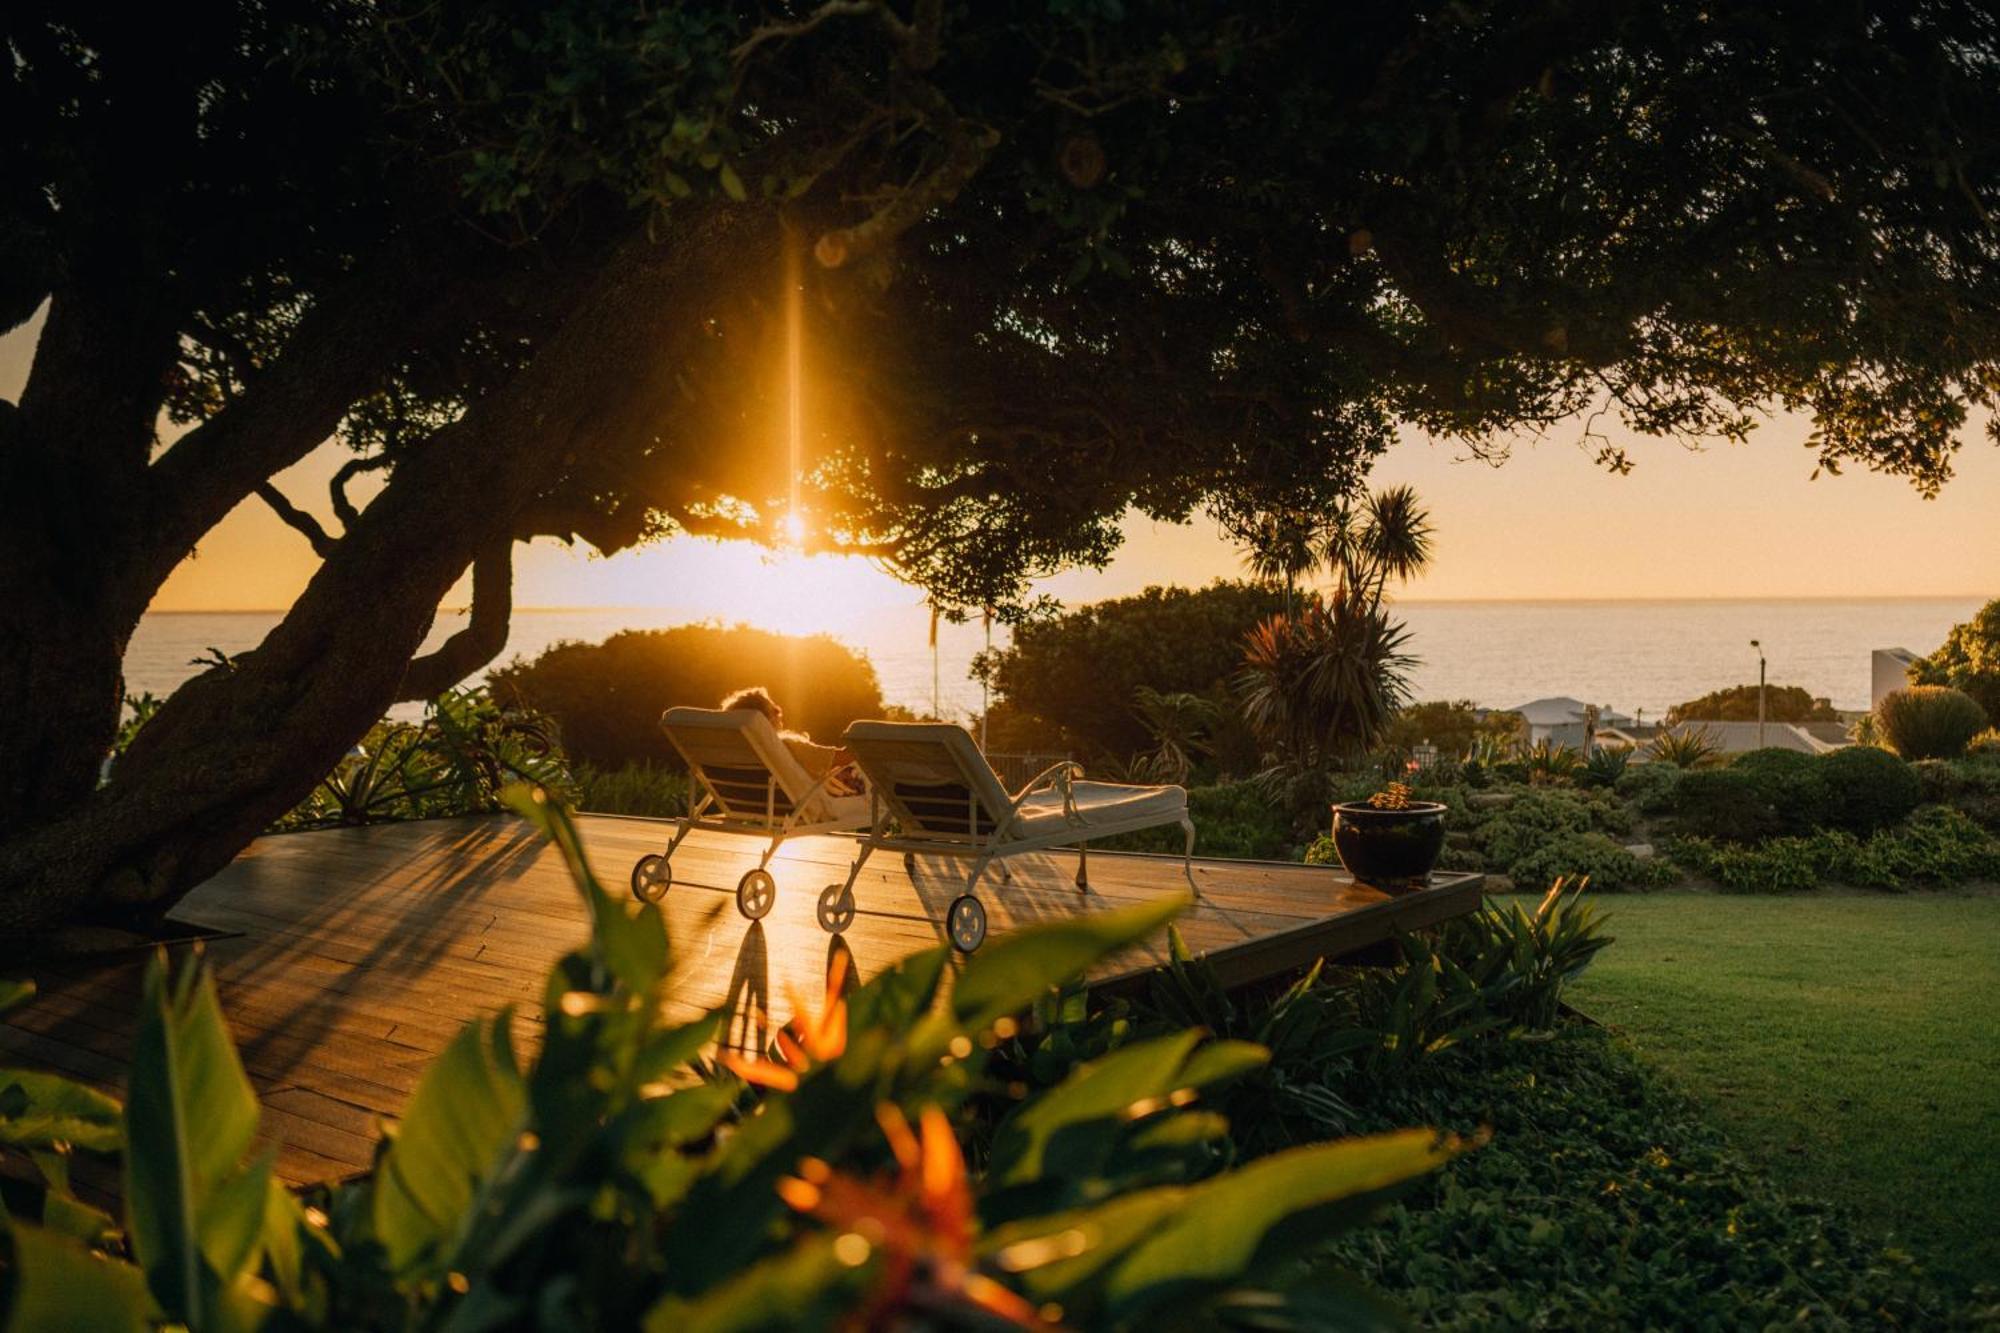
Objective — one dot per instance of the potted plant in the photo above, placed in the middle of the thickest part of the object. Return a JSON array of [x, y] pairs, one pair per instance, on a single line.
[[1389, 841]]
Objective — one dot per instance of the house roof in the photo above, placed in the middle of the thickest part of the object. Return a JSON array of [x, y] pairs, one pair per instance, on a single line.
[[1561, 709], [1737, 737]]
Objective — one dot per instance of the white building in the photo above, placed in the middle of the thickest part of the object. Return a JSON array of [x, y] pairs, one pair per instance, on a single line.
[[1888, 671], [1563, 721]]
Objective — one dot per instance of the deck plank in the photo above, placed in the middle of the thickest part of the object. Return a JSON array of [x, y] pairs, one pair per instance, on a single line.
[[357, 954]]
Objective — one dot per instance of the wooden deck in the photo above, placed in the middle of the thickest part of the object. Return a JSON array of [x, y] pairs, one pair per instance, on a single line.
[[358, 953]]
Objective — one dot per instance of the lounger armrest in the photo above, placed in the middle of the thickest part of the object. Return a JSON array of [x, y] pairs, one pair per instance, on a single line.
[[1062, 776]]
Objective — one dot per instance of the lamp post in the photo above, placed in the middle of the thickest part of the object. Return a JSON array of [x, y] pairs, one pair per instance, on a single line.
[[1760, 692]]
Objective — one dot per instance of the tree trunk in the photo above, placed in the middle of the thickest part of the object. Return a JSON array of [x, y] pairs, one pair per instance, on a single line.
[[234, 749]]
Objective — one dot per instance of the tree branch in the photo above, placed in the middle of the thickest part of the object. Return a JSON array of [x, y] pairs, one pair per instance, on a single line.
[[484, 635], [295, 517]]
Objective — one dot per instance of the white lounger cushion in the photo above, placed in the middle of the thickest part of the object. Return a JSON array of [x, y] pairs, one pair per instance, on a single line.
[[1101, 805], [932, 774]]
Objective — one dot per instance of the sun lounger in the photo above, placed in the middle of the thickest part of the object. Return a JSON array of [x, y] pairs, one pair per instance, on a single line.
[[745, 780], [932, 791]]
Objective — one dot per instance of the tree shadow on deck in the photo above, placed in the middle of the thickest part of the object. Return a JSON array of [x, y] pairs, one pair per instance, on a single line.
[[383, 959]]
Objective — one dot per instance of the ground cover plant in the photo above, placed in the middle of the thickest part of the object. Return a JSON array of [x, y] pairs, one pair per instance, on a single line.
[[1605, 1196], [617, 1178], [1841, 1041]]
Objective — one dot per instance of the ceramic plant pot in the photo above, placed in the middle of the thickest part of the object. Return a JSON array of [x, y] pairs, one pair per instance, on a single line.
[[1391, 850]]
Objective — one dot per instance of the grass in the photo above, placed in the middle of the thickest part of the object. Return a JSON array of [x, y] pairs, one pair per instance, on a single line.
[[1846, 1043]]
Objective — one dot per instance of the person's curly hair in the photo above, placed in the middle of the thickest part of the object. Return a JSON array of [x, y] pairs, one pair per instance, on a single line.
[[757, 697]]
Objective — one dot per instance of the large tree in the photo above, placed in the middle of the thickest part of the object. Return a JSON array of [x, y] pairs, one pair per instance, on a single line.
[[1060, 259]]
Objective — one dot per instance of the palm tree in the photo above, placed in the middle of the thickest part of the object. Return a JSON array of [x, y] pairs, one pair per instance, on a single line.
[[1321, 683], [1178, 722]]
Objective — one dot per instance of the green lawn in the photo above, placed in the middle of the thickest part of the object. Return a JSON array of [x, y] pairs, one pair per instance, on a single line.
[[1848, 1044]]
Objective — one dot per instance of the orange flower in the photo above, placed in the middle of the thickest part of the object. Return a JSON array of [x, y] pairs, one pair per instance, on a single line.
[[920, 1221], [809, 1039]]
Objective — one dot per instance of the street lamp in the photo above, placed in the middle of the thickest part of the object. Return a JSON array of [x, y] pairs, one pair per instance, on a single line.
[[1760, 692]]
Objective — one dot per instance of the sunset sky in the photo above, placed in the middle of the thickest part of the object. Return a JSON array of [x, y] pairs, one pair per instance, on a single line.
[[1723, 522]]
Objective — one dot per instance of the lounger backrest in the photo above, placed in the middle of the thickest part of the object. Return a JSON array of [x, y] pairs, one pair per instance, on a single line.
[[932, 778], [736, 755]]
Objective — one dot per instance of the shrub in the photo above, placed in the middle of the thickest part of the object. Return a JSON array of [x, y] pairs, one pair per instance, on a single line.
[[1067, 683], [636, 789], [1791, 782], [1929, 721], [1608, 866], [1650, 787], [1986, 745], [1867, 788], [608, 696], [1780, 865], [1936, 847], [597, 1186], [1968, 660], [1726, 804], [1608, 1199], [1231, 819]]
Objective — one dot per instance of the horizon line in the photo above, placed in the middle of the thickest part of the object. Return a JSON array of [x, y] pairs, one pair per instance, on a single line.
[[1394, 601]]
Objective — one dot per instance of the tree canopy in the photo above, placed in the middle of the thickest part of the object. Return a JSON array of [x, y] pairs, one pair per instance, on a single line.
[[1054, 261], [1968, 660], [1738, 703]]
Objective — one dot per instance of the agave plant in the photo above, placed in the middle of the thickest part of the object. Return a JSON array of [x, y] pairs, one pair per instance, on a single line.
[[1606, 764], [605, 1184], [1524, 961], [1686, 747], [465, 751], [1551, 761]]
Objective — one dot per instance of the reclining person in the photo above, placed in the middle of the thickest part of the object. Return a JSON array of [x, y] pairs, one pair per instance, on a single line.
[[830, 762]]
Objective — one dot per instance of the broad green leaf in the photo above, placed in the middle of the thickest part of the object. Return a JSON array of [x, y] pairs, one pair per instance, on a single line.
[[898, 995], [631, 945], [732, 184], [467, 1111], [1048, 1136], [667, 1052], [189, 1118], [807, 1286], [1245, 1220], [1012, 972], [1116, 1262], [59, 1285], [41, 1110], [15, 992], [231, 1220]]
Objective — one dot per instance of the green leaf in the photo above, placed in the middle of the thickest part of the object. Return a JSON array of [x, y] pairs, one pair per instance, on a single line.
[[190, 1116], [806, 1286], [1012, 972], [732, 184], [40, 1110], [467, 1111], [1250, 1218], [59, 1285], [15, 992], [1179, 1245], [1048, 1135]]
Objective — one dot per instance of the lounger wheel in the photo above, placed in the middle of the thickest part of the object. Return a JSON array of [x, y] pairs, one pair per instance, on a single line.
[[836, 908], [651, 877], [965, 923], [756, 894]]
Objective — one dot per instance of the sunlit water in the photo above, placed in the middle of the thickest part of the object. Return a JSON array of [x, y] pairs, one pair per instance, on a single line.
[[1629, 655]]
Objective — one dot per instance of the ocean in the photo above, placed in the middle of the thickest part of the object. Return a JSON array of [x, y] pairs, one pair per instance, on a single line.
[[1629, 655]]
